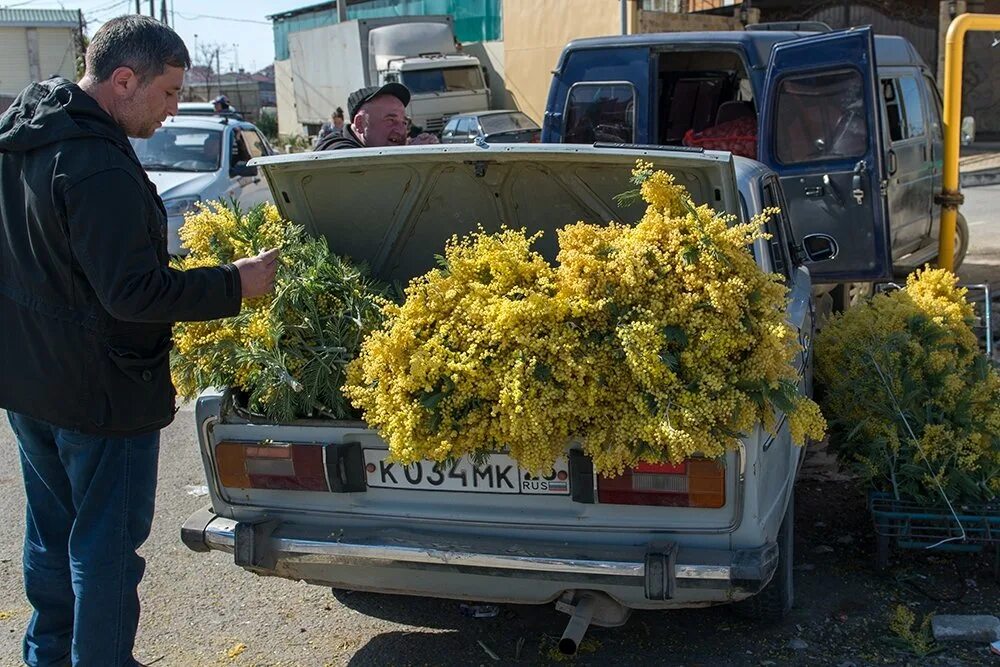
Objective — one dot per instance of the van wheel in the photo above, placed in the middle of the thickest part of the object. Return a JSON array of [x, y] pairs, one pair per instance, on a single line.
[[846, 295], [961, 240], [774, 602]]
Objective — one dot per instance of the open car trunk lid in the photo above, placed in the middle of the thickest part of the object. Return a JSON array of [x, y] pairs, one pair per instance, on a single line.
[[394, 209]]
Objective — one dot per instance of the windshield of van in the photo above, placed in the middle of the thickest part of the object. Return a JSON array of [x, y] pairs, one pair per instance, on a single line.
[[446, 80], [180, 149]]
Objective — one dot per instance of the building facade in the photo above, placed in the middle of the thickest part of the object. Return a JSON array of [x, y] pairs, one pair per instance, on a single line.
[[36, 44]]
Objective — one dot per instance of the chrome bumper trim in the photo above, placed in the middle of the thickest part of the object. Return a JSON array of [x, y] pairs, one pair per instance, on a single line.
[[220, 534]]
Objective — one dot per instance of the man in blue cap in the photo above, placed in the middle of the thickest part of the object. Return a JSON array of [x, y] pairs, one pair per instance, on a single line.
[[378, 118]]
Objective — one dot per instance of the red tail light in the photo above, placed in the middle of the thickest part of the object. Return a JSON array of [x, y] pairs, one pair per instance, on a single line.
[[244, 465], [692, 483]]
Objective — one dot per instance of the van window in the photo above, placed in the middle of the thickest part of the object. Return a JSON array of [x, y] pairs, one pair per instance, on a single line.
[[934, 100], [893, 110], [913, 107], [821, 117], [600, 112]]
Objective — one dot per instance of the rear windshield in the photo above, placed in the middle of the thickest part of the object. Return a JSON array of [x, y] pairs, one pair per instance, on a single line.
[[506, 122]]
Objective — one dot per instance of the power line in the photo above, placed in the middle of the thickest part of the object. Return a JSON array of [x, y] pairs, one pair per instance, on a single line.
[[195, 17]]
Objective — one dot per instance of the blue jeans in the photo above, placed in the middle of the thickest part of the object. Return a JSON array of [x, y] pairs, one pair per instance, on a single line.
[[90, 505]]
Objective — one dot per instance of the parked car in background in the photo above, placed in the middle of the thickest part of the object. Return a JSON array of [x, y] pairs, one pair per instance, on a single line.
[[195, 158], [205, 109], [499, 127]]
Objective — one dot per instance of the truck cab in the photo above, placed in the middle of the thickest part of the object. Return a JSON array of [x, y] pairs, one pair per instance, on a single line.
[[441, 85], [423, 57], [850, 122]]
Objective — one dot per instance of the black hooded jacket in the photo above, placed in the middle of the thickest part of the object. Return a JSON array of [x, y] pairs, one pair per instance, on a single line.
[[86, 297]]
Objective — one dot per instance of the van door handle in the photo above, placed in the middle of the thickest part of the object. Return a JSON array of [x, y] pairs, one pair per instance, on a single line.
[[859, 194], [892, 163]]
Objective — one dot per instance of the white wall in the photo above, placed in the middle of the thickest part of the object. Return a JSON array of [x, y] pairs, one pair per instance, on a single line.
[[57, 56]]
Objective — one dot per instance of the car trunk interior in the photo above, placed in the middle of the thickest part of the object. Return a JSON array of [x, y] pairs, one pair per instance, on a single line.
[[699, 90]]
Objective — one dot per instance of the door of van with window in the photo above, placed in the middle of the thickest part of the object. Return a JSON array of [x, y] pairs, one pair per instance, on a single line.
[[821, 131], [908, 165]]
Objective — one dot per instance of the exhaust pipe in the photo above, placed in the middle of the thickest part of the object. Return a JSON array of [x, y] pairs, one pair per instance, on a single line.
[[579, 621]]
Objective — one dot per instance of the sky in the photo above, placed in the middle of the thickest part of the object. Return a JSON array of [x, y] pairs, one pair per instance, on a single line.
[[239, 27]]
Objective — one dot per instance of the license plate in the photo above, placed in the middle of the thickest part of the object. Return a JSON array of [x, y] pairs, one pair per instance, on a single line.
[[498, 474]]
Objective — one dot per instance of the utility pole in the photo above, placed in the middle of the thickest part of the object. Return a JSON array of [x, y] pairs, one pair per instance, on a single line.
[[163, 12], [82, 44], [341, 11], [218, 70], [152, 9], [138, 9]]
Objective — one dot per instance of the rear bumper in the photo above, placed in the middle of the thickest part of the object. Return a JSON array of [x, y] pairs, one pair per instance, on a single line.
[[654, 575]]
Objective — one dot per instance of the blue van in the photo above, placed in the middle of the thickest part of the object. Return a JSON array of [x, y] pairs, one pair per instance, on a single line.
[[850, 121]]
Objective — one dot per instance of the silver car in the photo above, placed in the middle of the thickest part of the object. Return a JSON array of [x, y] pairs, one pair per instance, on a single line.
[[202, 158], [323, 505]]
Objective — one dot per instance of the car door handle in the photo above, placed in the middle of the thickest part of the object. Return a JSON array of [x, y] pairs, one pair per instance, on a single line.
[[256, 180]]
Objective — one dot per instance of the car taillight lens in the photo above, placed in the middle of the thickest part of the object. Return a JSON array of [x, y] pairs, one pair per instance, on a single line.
[[692, 483], [293, 467]]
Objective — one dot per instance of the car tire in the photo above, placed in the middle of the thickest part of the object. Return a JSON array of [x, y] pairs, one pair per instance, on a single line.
[[961, 241], [774, 602]]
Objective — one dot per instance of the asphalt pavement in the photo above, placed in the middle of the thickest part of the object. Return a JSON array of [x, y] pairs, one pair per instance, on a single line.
[[200, 609]]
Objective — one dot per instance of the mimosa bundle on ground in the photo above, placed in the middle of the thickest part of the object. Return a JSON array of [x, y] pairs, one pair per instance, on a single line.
[[647, 342], [914, 402]]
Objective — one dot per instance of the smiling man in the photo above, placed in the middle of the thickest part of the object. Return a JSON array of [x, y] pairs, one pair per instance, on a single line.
[[87, 301], [378, 118]]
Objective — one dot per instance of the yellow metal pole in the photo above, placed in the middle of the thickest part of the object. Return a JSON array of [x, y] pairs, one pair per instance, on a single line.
[[950, 197]]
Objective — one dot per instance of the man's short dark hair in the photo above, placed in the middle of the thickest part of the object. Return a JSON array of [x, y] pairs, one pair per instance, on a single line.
[[140, 43]]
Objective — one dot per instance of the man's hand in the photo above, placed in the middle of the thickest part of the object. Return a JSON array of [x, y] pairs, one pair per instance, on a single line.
[[257, 273], [423, 138]]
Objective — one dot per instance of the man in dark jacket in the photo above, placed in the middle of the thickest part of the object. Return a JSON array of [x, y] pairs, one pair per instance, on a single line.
[[87, 302]]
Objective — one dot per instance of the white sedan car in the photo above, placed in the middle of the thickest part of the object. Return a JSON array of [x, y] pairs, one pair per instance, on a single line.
[[192, 159]]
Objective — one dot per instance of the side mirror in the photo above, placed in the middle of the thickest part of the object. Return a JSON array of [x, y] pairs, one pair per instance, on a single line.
[[820, 247], [968, 131], [240, 169]]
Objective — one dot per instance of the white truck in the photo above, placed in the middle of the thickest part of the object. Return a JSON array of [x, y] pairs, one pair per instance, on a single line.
[[417, 51]]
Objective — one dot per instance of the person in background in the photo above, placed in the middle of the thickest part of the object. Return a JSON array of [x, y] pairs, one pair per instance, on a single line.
[[221, 104], [378, 118], [334, 126], [87, 300]]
